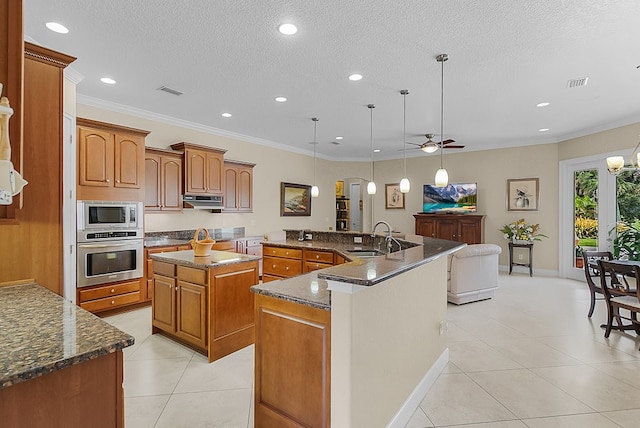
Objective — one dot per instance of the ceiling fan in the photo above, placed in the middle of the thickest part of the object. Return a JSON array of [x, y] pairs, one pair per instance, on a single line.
[[431, 146]]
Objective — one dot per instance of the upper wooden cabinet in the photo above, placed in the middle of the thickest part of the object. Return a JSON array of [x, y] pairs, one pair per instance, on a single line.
[[468, 228], [203, 169], [238, 183], [110, 161], [163, 180]]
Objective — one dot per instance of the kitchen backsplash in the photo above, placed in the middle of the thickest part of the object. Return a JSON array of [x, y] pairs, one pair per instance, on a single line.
[[222, 234]]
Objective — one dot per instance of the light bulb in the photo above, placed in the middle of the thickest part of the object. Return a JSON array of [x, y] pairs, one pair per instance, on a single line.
[[315, 191], [371, 188], [442, 178], [615, 164], [405, 186]]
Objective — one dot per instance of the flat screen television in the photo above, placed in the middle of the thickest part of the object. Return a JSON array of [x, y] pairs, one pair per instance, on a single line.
[[455, 198]]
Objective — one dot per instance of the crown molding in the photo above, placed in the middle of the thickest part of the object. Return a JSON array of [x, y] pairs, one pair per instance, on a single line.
[[73, 75]]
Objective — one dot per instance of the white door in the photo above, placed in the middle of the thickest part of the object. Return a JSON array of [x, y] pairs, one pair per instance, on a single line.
[[355, 209]]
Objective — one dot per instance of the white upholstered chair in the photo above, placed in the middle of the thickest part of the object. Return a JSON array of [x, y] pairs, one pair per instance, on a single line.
[[473, 273]]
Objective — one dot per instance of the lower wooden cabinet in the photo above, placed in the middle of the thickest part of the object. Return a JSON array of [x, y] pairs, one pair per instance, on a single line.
[[317, 259], [279, 262], [468, 228], [146, 282], [106, 297], [292, 384]]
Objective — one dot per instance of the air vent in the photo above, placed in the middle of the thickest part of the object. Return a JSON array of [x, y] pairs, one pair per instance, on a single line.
[[170, 90], [574, 83]]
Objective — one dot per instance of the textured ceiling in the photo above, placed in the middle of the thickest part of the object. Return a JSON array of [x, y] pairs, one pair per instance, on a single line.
[[505, 56]]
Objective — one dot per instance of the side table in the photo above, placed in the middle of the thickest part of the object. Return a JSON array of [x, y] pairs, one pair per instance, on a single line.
[[513, 245]]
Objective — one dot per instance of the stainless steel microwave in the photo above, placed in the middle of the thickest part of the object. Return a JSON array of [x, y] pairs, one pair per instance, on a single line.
[[109, 215]]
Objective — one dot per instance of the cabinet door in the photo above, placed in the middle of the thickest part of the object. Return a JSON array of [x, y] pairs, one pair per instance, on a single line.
[[171, 184], [95, 157], [447, 229], [230, 189], [196, 176], [129, 161], [469, 231], [192, 313], [426, 227], [215, 173], [245, 190], [152, 185], [164, 303]]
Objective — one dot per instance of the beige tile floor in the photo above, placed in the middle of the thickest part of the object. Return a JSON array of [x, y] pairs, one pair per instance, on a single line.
[[530, 357]]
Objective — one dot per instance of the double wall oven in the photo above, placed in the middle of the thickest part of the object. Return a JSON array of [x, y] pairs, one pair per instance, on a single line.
[[110, 241]]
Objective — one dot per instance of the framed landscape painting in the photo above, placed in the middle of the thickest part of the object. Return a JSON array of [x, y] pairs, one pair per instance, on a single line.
[[295, 199], [522, 194]]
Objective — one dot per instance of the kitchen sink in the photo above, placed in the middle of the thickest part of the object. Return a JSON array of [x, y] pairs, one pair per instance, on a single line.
[[366, 253]]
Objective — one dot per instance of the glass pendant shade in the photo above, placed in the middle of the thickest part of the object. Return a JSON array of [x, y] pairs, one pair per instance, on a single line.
[[405, 186], [315, 192], [442, 178], [615, 164], [371, 188]]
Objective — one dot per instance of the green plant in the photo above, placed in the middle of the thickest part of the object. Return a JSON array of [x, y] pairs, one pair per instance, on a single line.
[[626, 244], [586, 227]]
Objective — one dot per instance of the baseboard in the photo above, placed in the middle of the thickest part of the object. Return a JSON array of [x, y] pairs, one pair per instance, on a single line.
[[406, 411], [521, 271]]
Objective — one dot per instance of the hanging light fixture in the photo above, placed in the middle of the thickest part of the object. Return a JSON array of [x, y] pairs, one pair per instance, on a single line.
[[371, 187], [442, 177], [615, 164], [315, 191], [405, 186]]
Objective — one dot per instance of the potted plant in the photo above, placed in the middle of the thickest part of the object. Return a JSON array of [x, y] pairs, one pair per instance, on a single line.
[[521, 231], [626, 244]]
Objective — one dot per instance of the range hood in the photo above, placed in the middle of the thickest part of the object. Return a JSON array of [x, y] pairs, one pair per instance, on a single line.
[[203, 202]]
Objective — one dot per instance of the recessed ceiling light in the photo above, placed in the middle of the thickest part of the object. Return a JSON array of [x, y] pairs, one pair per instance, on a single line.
[[108, 80], [288, 29], [355, 77], [542, 104], [280, 99], [376, 151], [543, 129], [339, 138], [226, 115], [58, 28]]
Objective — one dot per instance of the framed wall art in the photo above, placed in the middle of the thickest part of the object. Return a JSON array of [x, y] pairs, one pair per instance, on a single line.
[[393, 197], [295, 199], [523, 194]]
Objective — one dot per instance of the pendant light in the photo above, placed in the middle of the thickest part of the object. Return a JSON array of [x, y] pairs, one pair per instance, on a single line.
[[442, 177], [371, 187], [315, 191], [405, 186]]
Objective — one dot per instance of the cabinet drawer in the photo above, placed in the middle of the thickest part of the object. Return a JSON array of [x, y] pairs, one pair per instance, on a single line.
[[111, 302], [319, 256], [282, 267], [108, 290], [311, 266], [194, 276], [224, 246], [164, 268], [289, 253], [254, 242], [255, 250]]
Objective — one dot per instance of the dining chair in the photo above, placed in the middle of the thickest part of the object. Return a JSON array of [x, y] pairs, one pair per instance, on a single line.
[[619, 284], [592, 274]]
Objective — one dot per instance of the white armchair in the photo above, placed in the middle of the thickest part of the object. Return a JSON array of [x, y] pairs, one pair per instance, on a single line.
[[473, 273]]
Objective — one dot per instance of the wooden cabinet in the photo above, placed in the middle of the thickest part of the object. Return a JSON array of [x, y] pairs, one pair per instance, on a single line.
[[279, 262], [163, 180], [468, 228], [317, 259], [291, 335], [203, 169], [146, 282], [110, 161], [238, 185], [224, 246], [209, 309], [342, 214], [111, 296]]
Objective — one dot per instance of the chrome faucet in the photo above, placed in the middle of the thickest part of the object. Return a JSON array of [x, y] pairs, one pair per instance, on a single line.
[[389, 238]]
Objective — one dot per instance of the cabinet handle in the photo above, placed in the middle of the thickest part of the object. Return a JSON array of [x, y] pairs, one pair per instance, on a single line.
[[177, 288], [286, 252], [287, 268], [107, 180], [113, 302], [117, 181], [113, 290], [274, 266], [170, 286], [317, 256]]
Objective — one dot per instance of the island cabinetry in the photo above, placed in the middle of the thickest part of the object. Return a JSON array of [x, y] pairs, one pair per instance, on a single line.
[[317, 259], [292, 364], [146, 282], [203, 167], [238, 185], [208, 309], [467, 228], [163, 180], [278, 262], [110, 296], [110, 161]]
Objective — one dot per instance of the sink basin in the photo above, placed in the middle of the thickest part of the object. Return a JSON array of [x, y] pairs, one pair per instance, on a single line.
[[366, 253]]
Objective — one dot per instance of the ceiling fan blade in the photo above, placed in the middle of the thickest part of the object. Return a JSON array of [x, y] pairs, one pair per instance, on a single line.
[[415, 144], [445, 142], [453, 147]]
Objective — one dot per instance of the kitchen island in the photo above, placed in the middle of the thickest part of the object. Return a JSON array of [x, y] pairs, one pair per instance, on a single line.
[[357, 344], [60, 366], [205, 302]]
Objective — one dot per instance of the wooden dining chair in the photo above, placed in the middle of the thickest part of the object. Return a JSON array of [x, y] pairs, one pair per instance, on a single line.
[[592, 274], [619, 284]]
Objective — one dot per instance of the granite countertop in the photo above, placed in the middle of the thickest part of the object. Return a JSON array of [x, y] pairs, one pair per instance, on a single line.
[[40, 333], [217, 258], [306, 289], [164, 242]]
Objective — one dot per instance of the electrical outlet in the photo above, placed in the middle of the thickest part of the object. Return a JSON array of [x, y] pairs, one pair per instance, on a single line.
[[308, 236], [357, 239], [519, 256]]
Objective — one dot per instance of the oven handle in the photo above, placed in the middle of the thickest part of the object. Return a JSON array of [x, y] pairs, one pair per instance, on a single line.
[[102, 245]]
